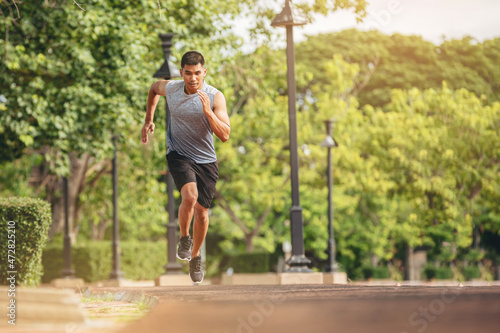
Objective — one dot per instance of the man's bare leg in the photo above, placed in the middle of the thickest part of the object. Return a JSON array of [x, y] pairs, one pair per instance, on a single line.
[[200, 228], [189, 194]]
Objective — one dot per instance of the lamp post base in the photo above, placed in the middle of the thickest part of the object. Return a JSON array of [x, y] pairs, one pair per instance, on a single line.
[[298, 264], [68, 273], [118, 275], [332, 268]]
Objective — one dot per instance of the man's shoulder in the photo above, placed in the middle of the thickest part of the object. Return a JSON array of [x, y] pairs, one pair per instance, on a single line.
[[174, 85], [211, 90], [175, 82]]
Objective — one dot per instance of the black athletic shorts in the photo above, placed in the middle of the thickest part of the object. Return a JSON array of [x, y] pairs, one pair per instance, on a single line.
[[184, 171]]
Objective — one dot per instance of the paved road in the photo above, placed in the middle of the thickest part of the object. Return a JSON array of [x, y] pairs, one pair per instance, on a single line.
[[309, 308]]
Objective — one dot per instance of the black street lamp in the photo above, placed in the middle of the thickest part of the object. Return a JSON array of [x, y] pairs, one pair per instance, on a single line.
[[330, 143], [116, 272], [290, 17], [67, 271], [168, 71]]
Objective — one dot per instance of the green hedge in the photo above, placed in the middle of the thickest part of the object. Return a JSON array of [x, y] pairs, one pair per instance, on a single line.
[[370, 272], [254, 262], [91, 261], [32, 219], [438, 273], [472, 272]]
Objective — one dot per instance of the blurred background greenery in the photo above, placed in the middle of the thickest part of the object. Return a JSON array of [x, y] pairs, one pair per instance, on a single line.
[[417, 167]]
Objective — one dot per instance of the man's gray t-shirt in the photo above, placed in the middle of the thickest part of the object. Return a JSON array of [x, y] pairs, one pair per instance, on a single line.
[[189, 133]]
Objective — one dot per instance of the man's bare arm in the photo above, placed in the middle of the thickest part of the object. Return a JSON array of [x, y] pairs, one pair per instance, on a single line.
[[218, 118], [157, 89]]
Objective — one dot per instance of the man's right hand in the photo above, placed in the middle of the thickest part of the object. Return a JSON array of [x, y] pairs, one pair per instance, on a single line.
[[148, 127]]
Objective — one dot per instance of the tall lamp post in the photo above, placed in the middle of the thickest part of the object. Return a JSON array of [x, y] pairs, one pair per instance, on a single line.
[[168, 71], [329, 143], [290, 17], [116, 272], [67, 271]]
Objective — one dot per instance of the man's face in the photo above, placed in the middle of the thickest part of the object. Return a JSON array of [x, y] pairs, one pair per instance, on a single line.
[[193, 77]]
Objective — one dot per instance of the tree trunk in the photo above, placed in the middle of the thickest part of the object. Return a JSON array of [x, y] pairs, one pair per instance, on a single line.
[[103, 225], [249, 242]]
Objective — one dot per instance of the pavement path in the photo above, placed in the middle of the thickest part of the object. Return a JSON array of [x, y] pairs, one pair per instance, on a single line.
[[319, 308]]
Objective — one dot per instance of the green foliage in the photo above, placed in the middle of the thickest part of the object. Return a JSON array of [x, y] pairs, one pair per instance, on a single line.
[[53, 262], [471, 272], [405, 62], [27, 238], [92, 261], [370, 272], [474, 255], [143, 260], [254, 262], [250, 197], [15, 177], [140, 208], [439, 273], [407, 170]]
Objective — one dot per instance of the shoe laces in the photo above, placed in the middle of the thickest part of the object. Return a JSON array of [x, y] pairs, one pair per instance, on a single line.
[[185, 243], [195, 263]]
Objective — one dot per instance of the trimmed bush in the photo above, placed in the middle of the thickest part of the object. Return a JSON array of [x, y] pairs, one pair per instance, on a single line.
[[52, 262], [143, 260], [472, 272], [91, 261], [444, 273], [430, 272], [32, 219], [255, 262], [438, 273], [381, 272]]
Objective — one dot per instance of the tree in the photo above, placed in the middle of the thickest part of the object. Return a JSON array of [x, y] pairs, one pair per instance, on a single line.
[[403, 62], [424, 161]]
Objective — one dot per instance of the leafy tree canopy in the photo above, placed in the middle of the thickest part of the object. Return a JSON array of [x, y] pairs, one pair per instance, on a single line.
[[403, 62]]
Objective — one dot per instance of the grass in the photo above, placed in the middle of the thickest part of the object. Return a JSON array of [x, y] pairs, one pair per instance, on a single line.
[[142, 306], [100, 307], [118, 314], [108, 297]]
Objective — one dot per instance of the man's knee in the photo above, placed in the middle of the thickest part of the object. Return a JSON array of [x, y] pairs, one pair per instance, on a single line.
[[189, 194], [201, 213], [190, 199]]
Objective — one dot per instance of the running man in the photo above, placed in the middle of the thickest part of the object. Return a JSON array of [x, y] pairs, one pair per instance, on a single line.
[[195, 111]]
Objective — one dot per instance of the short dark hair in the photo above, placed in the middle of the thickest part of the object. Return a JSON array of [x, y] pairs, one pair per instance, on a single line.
[[192, 58]]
